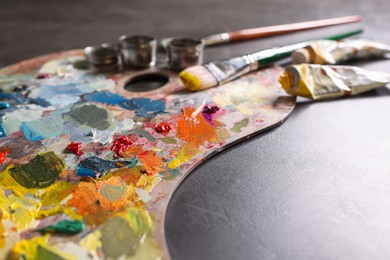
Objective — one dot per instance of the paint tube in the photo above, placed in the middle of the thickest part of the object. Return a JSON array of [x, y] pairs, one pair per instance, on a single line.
[[336, 52], [326, 81]]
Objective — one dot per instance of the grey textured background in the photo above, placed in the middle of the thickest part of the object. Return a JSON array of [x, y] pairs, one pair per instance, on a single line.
[[317, 187]]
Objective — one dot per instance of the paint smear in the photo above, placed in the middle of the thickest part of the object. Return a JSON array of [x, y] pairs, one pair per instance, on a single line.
[[194, 130], [237, 127], [42, 171], [144, 107], [186, 152], [89, 116], [118, 239], [106, 97], [152, 163]]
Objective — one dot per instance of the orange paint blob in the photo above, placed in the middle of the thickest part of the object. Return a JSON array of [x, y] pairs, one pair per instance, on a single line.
[[195, 129], [151, 162], [128, 175], [133, 151], [107, 195]]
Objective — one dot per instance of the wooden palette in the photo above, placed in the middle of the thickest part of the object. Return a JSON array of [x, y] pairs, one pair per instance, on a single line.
[[110, 201]]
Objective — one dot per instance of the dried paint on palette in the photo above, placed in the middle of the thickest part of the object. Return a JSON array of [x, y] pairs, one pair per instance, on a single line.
[[86, 169]]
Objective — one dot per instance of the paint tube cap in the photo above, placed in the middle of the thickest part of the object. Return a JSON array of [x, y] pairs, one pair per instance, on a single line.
[[138, 51], [184, 52], [104, 56], [301, 56]]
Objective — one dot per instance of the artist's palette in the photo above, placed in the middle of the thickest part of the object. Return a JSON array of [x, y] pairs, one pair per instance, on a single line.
[[104, 196]]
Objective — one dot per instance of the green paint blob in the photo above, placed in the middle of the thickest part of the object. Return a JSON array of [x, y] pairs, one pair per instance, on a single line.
[[145, 134], [42, 171], [139, 222], [168, 140], [239, 125], [64, 227], [90, 116], [43, 253], [112, 192], [118, 239]]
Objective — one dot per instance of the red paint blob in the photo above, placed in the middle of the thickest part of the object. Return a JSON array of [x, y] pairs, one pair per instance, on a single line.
[[43, 76], [75, 148], [163, 128], [3, 156], [210, 109], [121, 144]]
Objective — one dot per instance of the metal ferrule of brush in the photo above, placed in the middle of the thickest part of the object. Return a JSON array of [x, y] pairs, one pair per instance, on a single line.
[[251, 64], [225, 71], [216, 39]]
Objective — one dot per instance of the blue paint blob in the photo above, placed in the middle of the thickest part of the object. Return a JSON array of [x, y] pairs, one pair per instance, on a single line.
[[106, 97], [144, 107], [2, 133], [171, 174], [130, 163], [46, 127], [40, 101], [14, 98], [94, 167], [62, 91], [84, 172], [30, 134], [4, 105]]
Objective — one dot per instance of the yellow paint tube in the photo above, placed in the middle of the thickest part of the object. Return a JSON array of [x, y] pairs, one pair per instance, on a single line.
[[326, 81], [336, 52]]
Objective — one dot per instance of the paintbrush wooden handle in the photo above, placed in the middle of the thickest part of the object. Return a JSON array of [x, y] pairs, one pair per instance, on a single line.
[[288, 28]]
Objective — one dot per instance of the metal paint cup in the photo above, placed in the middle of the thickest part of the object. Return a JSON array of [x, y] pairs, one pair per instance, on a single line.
[[104, 56], [138, 51], [184, 53]]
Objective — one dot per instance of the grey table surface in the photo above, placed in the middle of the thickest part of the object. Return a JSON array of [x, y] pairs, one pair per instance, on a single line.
[[316, 187]]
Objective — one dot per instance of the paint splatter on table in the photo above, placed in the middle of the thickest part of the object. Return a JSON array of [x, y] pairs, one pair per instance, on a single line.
[[87, 168]]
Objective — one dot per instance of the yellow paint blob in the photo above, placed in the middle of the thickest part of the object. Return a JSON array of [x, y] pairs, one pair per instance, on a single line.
[[147, 182], [140, 221], [92, 241], [29, 249], [147, 250], [8, 182], [2, 235], [186, 152], [190, 81], [23, 210]]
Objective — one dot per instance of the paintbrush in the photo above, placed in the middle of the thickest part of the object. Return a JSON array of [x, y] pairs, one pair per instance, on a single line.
[[261, 32], [212, 74]]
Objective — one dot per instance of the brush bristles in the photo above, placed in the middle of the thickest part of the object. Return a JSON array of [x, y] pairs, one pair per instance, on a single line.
[[197, 78]]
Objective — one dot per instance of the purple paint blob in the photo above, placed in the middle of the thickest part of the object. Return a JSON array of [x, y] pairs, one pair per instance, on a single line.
[[208, 112]]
